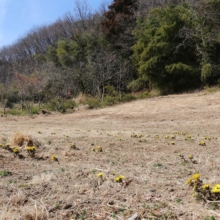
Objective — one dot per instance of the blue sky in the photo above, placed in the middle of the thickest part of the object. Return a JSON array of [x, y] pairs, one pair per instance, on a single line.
[[17, 17]]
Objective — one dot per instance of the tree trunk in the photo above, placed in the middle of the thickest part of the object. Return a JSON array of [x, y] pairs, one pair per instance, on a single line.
[[103, 93]]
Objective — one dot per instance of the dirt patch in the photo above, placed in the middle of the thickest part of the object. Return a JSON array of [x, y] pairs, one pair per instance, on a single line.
[[140, 140]]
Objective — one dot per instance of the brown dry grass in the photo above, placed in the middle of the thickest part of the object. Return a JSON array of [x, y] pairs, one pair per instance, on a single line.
[[21, 139], [154, 185]]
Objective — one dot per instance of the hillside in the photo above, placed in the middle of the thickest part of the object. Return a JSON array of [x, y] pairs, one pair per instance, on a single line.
[[140, 140], [126, 47]]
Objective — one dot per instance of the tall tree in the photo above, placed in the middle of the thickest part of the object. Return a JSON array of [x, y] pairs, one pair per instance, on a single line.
[[118, 24], [157, 54]]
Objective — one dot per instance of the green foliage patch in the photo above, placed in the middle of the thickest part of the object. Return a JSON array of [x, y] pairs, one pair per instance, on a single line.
[[5, 173]]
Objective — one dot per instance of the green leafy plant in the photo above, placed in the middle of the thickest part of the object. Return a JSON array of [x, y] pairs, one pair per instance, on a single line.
[[5, 173], [210, 218], [94, 171], [179, 200], [213, 205]]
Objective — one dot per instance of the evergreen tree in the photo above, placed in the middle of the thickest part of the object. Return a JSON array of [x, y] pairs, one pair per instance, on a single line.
[[161, 60]]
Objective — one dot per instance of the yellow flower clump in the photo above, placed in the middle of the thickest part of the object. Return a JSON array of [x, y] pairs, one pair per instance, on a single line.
[[173, 137], [190, 157], [216, 188], [202, 143], [100, 174], [206, 186], [15, 150], [33, 148], [119, 178], [99, 149], [189, 181], [53, 157], [194, 177]]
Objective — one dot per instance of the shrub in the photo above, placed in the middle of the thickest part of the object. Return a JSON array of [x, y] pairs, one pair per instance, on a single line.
[[138, 84], [93, 103], [61, 105], [110, 100], [110, 90], [69, 104], [127, 98], [34, 110], [15, 112], [143, 95]]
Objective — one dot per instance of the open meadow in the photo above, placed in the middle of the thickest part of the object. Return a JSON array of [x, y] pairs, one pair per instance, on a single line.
[[131, 160]]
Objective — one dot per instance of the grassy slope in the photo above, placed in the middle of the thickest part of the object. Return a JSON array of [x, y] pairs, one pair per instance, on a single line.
[[155, 176]]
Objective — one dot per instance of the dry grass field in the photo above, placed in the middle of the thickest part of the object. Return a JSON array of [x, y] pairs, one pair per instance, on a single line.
[[140, 140]]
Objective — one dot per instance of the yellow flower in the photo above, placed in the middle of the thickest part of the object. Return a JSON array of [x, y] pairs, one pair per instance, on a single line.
[[100, 174], [216, 188], [15, 150], [8, 145], [33, 148], [166, 136], [193, 178], [206, 186], [196, 176], [53, 157], [202, 143], [92, 149], [119, 178], [190, 157], [172, 143], [113, 173], [99, 149], [189, 180]]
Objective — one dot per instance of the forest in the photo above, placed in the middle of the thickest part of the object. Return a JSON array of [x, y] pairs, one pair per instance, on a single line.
[[128, 47]]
